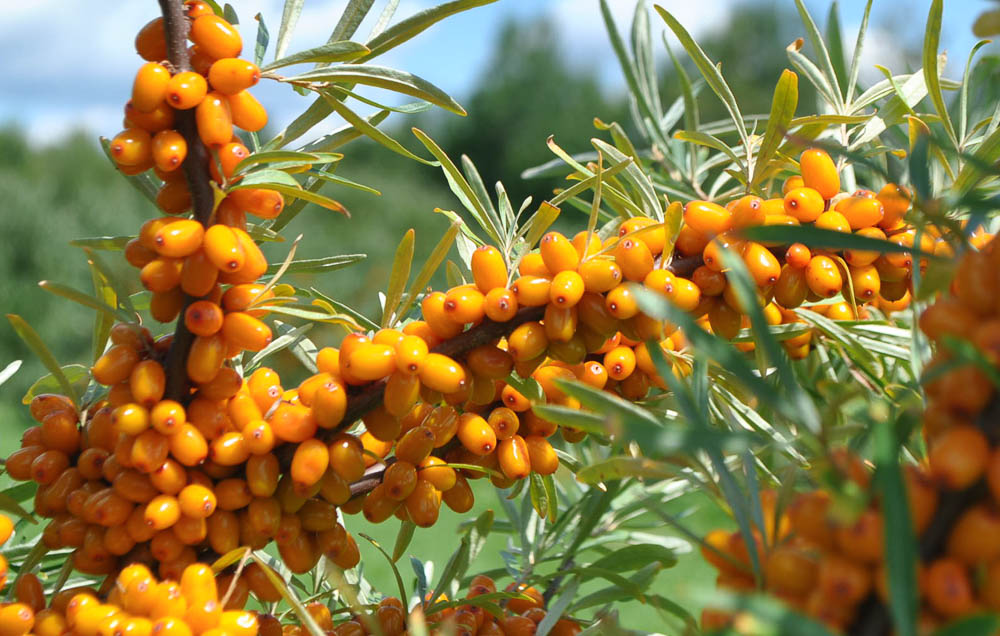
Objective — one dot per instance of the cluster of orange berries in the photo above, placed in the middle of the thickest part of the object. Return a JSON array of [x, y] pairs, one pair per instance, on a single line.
[[826, 563], [788, 277], [179, 256], [136, 603], [521, 614]]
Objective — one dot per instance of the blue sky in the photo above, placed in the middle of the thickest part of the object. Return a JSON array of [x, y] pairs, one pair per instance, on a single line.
[[74, 69]]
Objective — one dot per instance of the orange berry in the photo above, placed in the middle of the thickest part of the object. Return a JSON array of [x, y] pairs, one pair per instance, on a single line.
[[804, 204], [132, 147], [512, 454], [634, 258], [476, 434], [433, 309], [861, 212], [186, 90], [823, 276], [621, 302], [464, 304], [761, 263], [223, 248], [231, 75], [247, 112], [566, 289], [531, 291], [707, 219], [599, 274], [215, 37], [819, 172], [558, 253], [214, 119], [488, 268], [542, 456], [370, 361], [895, 201], [834, 221], [959, 456], [531, 264], [948, 588], [266, 204], [309, 463], [169, 150], [151, 41], [206, 357], [150, 86]]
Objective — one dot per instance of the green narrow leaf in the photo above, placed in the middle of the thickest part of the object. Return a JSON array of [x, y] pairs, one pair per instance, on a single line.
[[456, 566], [540, 222], [392, 564], [102, 321], [77, 374], [398, 277], [263, 37], [932, 37], [971, 173], [286, 156], [783, 104], [328, 53], [971, 626], [417, 23], [369, 130], [859, 44], [816, 39], [551, 497], [109, 243], [354, 13], [403, 538], [384, 18], [289, 18], [963, 96], [430, 266], [35, 343], [640, 90], [836, 41], [96, 262], [901, 545], [356, 315], [229, 13], [317, 265], [830, 239], [713, 77], [380, 77], [460, 187], [84, 299]]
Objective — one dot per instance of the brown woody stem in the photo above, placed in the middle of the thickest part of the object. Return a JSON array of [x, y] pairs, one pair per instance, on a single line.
[[195, 166]]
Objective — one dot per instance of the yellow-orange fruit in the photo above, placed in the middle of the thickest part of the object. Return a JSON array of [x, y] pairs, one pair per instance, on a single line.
[[542, 456], [819, 172], [488, 268], [861, 211], [823, 276], [214, 119], [151, 41], [231, 75], [150, 86], [186, 90], [805, 204], [707, 219], [246, 111], [266, 204], [959, 456], [476, 434], [464, 304], [215, 37]]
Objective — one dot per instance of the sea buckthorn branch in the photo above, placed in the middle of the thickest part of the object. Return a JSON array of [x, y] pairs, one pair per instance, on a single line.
[[485, 332], [196, 173]]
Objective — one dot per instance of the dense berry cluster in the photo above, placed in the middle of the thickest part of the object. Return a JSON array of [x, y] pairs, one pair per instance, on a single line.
[[135, 603], [826, 563]]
